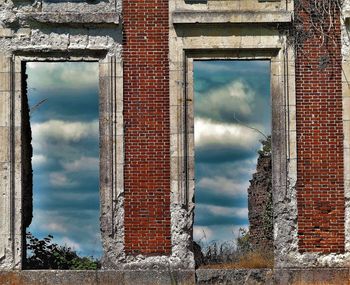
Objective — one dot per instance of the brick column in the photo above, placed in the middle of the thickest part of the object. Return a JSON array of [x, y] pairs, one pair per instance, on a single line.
[[147, 130], [320, 185]]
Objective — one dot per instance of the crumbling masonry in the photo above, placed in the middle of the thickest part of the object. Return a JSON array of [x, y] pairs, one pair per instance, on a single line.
[[260, 212], [145, 51]]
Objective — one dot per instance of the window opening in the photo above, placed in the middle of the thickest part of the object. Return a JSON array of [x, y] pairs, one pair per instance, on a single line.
[[63, 103], [232, 127]]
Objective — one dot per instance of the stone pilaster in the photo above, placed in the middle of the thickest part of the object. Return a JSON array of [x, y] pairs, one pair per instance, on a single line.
[[10, 165]]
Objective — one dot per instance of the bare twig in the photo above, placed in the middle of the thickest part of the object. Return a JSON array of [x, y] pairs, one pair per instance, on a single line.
[[249, 127], [37, 105]]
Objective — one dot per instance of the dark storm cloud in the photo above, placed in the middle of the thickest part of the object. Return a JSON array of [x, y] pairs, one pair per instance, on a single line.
[[67, 189], [84, 203], [209, 215], [222, 153], [238, 170], [209, 220], [65, 104], [219, 199]]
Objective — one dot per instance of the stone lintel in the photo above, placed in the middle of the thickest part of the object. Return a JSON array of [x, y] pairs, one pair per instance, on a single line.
[[232, 17]]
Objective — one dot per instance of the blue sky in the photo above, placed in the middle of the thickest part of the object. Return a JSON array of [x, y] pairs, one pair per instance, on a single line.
[[66, 154], [225, 150], [65, 143]]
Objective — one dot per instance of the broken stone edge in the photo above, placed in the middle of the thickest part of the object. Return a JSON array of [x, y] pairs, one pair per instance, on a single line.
[[73, 18]]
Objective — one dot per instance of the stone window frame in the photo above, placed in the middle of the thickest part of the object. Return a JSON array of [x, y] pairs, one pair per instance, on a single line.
[[284, 147], [182, 123], [110, 140], [276, 119]]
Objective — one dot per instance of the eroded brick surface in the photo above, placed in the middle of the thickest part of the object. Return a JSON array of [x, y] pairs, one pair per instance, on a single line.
[[147, 130], [320, 168]]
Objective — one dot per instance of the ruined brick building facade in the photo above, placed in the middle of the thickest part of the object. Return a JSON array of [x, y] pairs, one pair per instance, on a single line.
[[260, 212], [145, 51]]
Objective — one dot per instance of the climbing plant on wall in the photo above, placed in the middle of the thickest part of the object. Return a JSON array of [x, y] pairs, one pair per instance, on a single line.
[[315, 19]]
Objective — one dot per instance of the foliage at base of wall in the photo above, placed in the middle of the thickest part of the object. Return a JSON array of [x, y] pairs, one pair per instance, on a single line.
[[252, 248], [233, 255], [45, 254]]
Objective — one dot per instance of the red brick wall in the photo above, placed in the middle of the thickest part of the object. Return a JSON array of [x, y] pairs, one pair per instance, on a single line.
[[320, 185], [147, 127]]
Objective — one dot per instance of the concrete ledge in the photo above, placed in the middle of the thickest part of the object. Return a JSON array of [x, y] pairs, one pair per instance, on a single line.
[[234, 276], [292, 276], [100, 277], [234, 17], [324, 276], [73, 18], [286, 276]]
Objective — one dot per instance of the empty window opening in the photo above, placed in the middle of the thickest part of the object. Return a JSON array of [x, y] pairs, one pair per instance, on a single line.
[[232, 127], [63, 103]]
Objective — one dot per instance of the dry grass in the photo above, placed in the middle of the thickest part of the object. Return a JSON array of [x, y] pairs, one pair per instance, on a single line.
[[334, 282], [247, 261]]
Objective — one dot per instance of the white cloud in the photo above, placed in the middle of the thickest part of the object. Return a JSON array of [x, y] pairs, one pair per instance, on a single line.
[[38, 160], [60, 179], [64, 131], [242, 95], [224, 185], [224, 211], [48, 222], [208, 66], [208, 132], [218, 233], [53, 75], [225, 103], [78, 229], [70, 243], [202, 233], [55, 227], [84, 163]]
